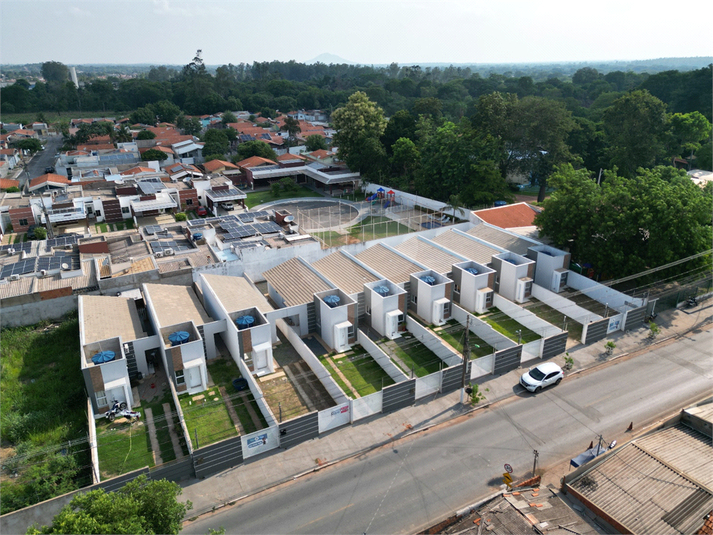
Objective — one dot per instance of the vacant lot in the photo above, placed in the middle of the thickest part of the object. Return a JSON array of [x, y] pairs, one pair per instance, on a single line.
[[555, 317], [122, 447], [44, 422]]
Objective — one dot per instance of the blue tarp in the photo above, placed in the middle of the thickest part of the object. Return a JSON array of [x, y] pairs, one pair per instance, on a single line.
[[103, 356], [178, 338], [381, 290], [587, 456], [332, 300], [244, 321]]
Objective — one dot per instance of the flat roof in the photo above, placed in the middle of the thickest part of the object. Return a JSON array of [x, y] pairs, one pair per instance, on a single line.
[[295, 282], [344, 272], [501, 238], [466, 246], [236, 293], [429, 255], [175, 304], [389, 264], [105, 317]]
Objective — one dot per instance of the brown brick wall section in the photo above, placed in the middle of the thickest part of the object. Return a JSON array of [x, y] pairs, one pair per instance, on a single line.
[[491, 280], [352, 317], [402, 303], [531, 271], [567, 260], [247, 341], [112, 210], [97, 247], [176, 358], [449, 295], [16, 214], [184, 195], [54, 294], [95, 374], [596, 510]]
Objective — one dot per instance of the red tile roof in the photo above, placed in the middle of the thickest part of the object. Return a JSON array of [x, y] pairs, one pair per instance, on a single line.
[[290, 157], [49, 177], [215, 165], [9, 152], [106, 146], [510, 216], [136, 170], [320, 154], [6, 183], [254, 161]]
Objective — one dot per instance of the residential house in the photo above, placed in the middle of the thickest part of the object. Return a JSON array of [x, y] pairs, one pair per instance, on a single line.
[[11, 157], [48, 182]]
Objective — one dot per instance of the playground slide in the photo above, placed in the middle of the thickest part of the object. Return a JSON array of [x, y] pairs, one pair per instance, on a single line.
[[373, 197], [387, 204]]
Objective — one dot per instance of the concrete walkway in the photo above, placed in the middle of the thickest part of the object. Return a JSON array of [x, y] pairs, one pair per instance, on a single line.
[[155, 449], [177, 450], [254, 417], [231, 411], [269, 470]]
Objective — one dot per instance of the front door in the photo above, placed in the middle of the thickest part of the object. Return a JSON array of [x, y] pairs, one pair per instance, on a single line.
[[194, 377]]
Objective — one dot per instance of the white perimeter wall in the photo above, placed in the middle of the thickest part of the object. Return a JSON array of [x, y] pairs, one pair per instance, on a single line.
[[525, 317], [432, 342], [380, 357], [482, 329], [601, 293], [564, 305]]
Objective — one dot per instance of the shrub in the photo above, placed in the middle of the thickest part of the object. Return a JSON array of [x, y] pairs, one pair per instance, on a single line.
[[40, 233], [180, 216]]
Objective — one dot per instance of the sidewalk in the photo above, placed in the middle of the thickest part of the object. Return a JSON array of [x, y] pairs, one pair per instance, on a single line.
[[264, 472]]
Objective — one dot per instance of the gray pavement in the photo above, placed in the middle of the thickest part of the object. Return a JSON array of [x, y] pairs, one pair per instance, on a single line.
[[265, 472]]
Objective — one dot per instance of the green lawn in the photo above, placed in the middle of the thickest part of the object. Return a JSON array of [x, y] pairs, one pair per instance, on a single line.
[[44, 406], [261, 197], [416, 356], [129, 223], [452, 333], [223, 371], [18, 238], [206, 419], [555, 317], [163, 435], [122, 447], [504, 324], [361, 370], [377, 227]]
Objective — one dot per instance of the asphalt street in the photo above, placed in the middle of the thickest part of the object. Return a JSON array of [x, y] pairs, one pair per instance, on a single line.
[[421, 479], [41, 160]]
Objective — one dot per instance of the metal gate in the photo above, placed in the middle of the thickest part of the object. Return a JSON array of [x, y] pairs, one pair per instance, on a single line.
[[507, 360], [398, 396], [595, 331], [297, 430], [217, 457], [453, 378], [554, 345], [635, 318]]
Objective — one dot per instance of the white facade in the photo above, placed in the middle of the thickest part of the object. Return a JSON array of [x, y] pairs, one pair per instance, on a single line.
[[385, 311], [431, 300], [473, 286]]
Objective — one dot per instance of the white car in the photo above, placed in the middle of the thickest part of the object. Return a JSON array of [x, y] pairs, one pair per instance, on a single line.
[[537, 378]]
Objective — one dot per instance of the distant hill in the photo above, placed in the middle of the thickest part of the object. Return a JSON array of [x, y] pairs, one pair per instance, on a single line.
[[328, 59]]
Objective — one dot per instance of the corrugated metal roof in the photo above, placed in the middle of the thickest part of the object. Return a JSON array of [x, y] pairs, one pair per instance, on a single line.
[[685, 449], [645, 495], [295, 282], [476, 251], [346, 274], [501, 238], [236, 293], [432, 257], [392, 266]]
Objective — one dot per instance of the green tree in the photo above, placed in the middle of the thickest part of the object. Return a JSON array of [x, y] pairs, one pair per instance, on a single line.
[[401, 125], [227, 118], [145, 115], [123, 134], [216, 142], [315, 142], [627, 225], [254, 148], [40, 233], [292, 127], [153, 155], [145, 134], [455, 205], [635, 127], [140, 507], [405, 163], [360, 125], [688, 131], [190, 125], [166, 111], [55, 72], [30, 144]]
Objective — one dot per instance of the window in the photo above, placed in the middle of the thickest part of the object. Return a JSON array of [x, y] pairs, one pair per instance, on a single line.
[[101, 398], [98, 213], [189, 202], [180, 379], [125, 210], [489, 298], [456, 288], [446, 309], [23, 222], [414, 299], [350, 331]]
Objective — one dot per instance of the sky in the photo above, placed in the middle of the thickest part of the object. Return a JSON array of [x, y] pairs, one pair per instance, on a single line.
[[359, 31]]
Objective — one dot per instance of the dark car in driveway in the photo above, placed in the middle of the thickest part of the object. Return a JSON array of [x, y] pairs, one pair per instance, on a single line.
[[49, 169]]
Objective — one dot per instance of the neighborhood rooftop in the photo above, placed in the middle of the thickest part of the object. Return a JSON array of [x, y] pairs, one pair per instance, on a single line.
[[236, 293], [176, 304], [295, 282], [344, 272], [429, 255], [502, 238], [467, 246], [389, 264], [105, 317]]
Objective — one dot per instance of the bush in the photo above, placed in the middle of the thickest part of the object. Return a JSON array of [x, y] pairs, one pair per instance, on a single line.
[[180, 216], [13, 189], [275, 189], [146, 134], [40, 233]]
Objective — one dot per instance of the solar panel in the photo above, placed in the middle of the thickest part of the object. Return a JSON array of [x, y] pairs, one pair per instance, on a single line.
[[246, 217], [56, 261], [152, 229], [18, 268], [151, 185], [245, 137], [265, 136], [61, 242], [26, 246]]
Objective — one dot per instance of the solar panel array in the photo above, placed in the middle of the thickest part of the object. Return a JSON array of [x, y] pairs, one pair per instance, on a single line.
[[265, 136], [61, 242], [176, 245], [222, 193], [56, 261], [249, 217], [245, 137], [26, 246], [155, 229], [151, 185], [22, 267]]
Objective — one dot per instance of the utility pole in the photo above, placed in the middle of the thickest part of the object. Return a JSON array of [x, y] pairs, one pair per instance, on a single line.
[[534, 462], [466, 356]]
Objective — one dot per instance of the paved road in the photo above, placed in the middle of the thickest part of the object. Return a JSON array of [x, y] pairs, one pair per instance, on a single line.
[[424, 478], [36, 166]]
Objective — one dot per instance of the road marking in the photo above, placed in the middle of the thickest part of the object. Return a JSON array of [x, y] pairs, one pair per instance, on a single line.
[[325, 516]]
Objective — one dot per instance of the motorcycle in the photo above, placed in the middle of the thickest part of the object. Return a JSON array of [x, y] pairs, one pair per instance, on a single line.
[[121, 410], [692, 301]]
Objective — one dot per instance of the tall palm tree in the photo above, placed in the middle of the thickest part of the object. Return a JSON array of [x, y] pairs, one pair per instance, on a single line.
[[455, 203]]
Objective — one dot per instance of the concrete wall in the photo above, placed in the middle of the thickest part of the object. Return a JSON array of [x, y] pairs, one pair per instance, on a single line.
[[602, 294], [381, 358], [564, 305], [31, 308], [525, 317], [482, 329], [432, 342]]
